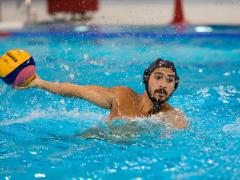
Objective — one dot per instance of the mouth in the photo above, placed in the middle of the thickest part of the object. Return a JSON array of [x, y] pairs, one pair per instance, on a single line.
[[161, 92], [160, 95]]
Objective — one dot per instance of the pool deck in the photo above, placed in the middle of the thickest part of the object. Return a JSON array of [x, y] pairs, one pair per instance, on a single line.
[[131, 12]]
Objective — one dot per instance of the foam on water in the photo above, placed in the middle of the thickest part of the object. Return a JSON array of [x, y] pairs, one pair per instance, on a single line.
[[51, 113], [33, 115], [233, 128]]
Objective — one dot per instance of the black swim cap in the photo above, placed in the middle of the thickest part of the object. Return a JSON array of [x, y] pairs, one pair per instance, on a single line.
[[160, 63]]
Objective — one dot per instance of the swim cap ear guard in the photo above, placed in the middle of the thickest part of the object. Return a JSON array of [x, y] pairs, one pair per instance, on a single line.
[[156, 64]]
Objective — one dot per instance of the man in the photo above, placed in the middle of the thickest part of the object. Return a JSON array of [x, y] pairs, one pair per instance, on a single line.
[[160, 80]]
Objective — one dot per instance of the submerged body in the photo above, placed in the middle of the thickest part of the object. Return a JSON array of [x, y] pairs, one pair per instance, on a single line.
[[128, 104]]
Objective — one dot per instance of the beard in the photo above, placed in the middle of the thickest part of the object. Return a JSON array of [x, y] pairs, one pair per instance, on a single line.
[[160, 95], [158, 98]]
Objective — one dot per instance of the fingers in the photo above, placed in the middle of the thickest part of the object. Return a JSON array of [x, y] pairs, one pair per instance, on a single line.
[[31, 82], [27, 84], [20, 87]]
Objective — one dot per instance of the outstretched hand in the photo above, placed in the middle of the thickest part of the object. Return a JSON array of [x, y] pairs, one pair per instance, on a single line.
[[33, 83]]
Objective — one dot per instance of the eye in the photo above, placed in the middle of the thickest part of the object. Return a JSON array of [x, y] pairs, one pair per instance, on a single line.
[[158, 77], [170, 79]]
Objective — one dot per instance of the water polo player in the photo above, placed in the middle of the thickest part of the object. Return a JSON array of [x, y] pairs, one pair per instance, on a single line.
[[160, 80]]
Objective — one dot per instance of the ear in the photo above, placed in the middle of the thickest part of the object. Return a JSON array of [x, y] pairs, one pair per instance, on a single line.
[[145, 76], [176, 82]]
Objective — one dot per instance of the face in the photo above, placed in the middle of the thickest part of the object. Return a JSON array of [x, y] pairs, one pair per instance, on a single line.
[[161, 83]]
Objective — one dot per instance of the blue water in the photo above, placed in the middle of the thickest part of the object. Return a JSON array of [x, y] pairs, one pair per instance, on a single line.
[[48, 136]]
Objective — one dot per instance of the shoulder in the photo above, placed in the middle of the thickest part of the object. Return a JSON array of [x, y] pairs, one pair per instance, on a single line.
[[171, 109], [176, 117], [122, 89], [124, 93]]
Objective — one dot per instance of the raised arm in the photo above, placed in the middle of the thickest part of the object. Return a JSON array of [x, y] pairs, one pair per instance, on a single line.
[[98, 95]]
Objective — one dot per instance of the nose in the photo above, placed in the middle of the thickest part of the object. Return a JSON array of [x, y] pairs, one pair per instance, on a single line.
[[163, 83]]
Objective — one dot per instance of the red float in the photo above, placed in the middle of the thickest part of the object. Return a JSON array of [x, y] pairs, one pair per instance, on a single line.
[[178, 18], [3, 33], [72, 6]]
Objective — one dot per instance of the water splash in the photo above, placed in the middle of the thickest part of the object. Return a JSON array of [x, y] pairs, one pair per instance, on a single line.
[[233, 128], [126, 131], [52, 113], [33, 115]]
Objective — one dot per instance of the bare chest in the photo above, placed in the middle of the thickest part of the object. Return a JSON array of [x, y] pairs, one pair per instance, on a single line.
[[126, 107]]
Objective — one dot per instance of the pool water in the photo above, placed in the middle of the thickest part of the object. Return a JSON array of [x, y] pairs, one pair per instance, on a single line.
[[49, 136]]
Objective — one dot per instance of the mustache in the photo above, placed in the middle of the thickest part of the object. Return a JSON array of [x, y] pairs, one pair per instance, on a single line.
[[161, 90]]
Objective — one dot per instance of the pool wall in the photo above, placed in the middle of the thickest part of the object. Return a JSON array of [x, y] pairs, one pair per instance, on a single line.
[[147, 12]]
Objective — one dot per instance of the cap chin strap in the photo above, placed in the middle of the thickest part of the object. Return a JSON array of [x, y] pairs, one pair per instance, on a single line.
[[157, 104]]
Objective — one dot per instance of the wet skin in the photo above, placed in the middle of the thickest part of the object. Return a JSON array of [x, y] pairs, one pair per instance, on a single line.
[[122, 101]]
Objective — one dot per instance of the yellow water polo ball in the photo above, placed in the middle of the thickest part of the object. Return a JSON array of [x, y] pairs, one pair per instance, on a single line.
[[17, 67]]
